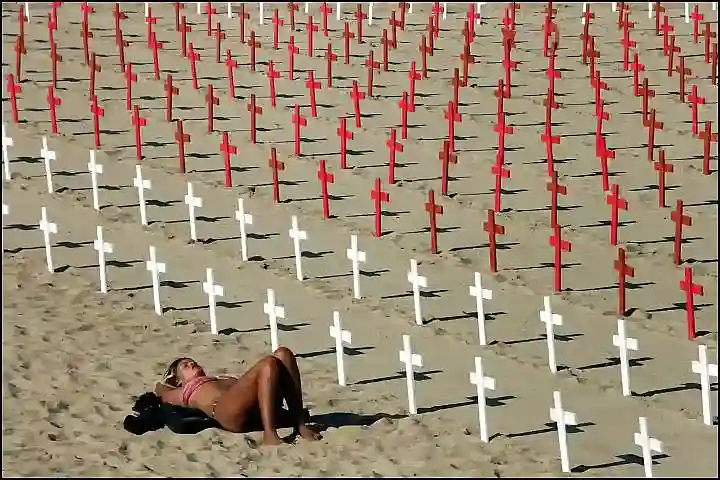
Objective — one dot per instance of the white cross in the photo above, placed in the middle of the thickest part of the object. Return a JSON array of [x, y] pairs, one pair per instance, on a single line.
[[417, 282], [479, 17], [705, 370], [342, 338], [338, 9], [47, 155], [307, 7], [199, 8], [192, 202], [356, 257], [273, 312], [297, 235], [147, 11], [480, 293], [562, 418], [584, 9], [141, 185], [624, 343], [614, 6], [483, 383], [229, 10], [444, 10], [27, 10], [6, 209], [410, 7], [94, 168], [648, 445], [370, 13], [687, 12], [212, 291], [6, 142], [650, 9], [261, 14], [47, 228], [410, 360], [155, 268], [102, 248], [244, 219], [550, 319]]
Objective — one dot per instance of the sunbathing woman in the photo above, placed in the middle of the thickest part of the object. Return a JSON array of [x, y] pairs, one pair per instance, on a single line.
[[232, 401]]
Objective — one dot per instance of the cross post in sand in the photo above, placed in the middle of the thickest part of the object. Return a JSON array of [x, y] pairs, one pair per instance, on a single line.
[[344, 135], [181, 138], [276, 21], [273, 312], [342, 338], [379, 197], [13, 89], [97, 112], [102, 247], [624, 270], [155, 268], [695, 100], [393, 148], [243, 219], [231, 65], [192, 202], [131, 78], [480, 294], [212, 101], [53, 102], [492, 230], [554, 187], [330, 57], [48, 156], [691, 289], [446, 156], [680, 221], [624, 343], [356, 95], [356, 257], [325, 178], [562, 418], [142, 185], [312, 86], [212, 290], [647, 444], [6, 142], [560, 246], [482, 383], [94, 168], [500, 172], [550, 319], [636, 68], [616, 203], [417, 281], [706, 370], [254, 111], [47, 228], [707, 137], [227, 149], [663, 168], [276, 166], [138, 122], [347, 36], [253, 44], [299, 122], [272, 75], [434, 210], [410, 360], [404, 109], [296, 235], [193, 56]]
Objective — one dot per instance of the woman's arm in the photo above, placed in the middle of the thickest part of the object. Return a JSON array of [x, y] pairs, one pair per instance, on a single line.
[[169, 394]]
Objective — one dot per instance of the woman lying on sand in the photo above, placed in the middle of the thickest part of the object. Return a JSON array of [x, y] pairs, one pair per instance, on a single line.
[[232, 401]]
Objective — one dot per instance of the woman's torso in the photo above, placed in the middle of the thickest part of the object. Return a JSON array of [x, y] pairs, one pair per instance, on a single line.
[[206, 396]]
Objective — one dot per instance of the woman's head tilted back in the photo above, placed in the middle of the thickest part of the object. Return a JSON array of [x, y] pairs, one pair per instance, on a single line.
[[181, 370]]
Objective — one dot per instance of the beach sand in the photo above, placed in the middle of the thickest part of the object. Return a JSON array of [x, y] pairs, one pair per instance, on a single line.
[[74, 359]]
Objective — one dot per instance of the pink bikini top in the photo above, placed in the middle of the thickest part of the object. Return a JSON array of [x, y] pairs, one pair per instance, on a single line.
[[191, 387]]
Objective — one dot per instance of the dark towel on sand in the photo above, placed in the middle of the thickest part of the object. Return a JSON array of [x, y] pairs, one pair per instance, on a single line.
[[152, 414]]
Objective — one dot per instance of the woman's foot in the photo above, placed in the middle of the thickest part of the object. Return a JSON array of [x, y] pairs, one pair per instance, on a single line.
[[307, 433]]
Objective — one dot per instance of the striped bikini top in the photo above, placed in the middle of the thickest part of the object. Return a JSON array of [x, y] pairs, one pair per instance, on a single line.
[[192, 386]]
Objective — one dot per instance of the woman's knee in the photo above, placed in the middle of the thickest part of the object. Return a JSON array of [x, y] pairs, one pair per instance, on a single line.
[[270, 366], [284, 354]]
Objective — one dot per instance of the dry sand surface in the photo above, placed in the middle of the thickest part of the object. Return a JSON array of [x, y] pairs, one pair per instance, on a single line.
[[74, 358]]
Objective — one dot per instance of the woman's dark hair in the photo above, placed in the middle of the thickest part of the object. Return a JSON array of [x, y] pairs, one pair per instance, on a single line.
[[171, 375]]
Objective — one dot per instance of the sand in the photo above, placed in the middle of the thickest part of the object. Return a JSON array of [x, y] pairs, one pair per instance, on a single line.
[[74, 358]]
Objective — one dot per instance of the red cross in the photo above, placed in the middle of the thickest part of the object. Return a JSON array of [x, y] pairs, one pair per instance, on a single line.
[[394, 24], [551, 73], [434, 210], [624, 270], [359, 17], [708, 35], [219, 37], [325, 178], [696, 17], [231, 65], [605, 154], [493, 229], [447, 157], [312, 85], [436, 11], [636, 68], [645, 93], [276, 166], [254, 111], [292, 51], [500, 172], [499, 93], [325, 10], [467, 59], [549, 140], [424, 50], [666, 29], [53, 102], [87, 10], [298, 121], [209, 11], [623, 13], [243, 15], [184, 30], [662, 167], [713, 65], [356, 95], [659, 10], [227, 149], [585, 37], [150, 20], [292, 8], [276, 21], [344, 135], [155, 47], [403, 6], [55, 58], [680, 221], [413, 75], [329, 58], [683, 73], [627, 44], [616, 203], [310, 28], [456, 87], [393, 146], [707, 137], [554, 187], [181, 138], [253, 44], [508, 65], [130, 78], [672, 50], [170, 91], [502, 128], [193, 56], [592, 55], [121, 44], [430, 30], [652, 126], [695, 100], [176, 5], [138, 122], [379, 197], [404, 108], [549, 27], [85, 34], [385, 47], [212, 101], [560, 246], [691, 289], [451, 115], [371, 66], [272, 74], [97, 112], [471, 16], [347, 36]]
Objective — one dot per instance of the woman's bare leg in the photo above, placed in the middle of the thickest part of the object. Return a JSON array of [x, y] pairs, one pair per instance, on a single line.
[[295, 398], [268, 383]]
